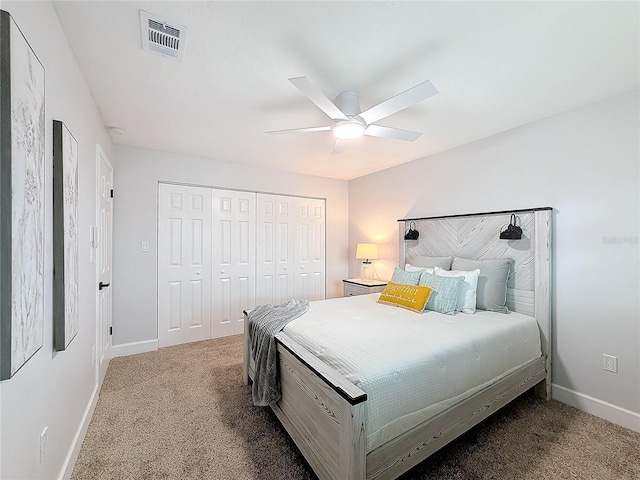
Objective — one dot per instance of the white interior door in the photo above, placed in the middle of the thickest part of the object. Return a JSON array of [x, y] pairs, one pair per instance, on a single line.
[[275, 249], [104, 260], [310, 249], [234, 259], [184, 264]]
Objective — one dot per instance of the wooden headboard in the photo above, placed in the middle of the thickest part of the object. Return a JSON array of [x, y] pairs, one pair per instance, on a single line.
[[476, 236]]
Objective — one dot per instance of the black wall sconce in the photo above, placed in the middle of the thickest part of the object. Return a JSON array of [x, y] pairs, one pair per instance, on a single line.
[[512, 232], [412, 233]]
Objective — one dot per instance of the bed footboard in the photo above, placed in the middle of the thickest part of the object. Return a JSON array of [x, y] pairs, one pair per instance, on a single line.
[[409, 449], [322, 412]]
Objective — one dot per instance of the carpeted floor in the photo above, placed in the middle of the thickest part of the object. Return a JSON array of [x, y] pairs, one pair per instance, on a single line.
[[183, 413]]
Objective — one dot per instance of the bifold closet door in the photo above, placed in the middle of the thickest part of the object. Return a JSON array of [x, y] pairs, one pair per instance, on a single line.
[[234, 259], [275, 267], [184, 264], [309, 241]]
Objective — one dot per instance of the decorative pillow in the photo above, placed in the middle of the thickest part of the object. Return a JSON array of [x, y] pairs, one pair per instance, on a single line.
[[492, 282], [411, 297], [467, 295], [408, 278], [423, 261], [412, 268], [445, 292]]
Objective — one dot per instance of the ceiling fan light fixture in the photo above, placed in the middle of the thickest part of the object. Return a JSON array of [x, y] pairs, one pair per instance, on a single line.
[[348, 129]]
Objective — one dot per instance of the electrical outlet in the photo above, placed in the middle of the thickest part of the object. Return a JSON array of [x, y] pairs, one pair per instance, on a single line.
[[610, 363], [44, 443]]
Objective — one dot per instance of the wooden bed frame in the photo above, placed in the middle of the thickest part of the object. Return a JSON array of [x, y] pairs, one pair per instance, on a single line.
[[325, 414]]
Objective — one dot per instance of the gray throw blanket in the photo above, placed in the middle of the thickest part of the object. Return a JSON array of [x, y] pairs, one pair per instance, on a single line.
[[265, 321]]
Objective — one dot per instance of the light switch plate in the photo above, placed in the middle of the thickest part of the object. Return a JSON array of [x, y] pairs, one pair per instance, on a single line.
[[44, 444]]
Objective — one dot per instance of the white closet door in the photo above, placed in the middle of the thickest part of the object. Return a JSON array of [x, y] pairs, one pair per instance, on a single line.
[[234, 259], [285, 251], [310, 248], [266, 249], [184, 264], [275, 249]]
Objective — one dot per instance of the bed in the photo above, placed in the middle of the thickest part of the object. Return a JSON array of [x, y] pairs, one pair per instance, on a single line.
[[333, 421]]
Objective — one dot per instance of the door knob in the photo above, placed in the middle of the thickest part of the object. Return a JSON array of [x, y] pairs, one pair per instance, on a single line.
[[197, 273], [103, 285]]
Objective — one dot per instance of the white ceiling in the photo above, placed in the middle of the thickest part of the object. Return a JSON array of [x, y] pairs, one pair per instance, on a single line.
[[497, 65]]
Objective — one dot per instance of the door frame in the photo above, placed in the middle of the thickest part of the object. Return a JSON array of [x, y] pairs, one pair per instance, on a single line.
[[95, 249]]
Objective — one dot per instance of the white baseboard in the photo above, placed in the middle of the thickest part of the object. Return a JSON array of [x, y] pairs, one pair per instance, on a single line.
[[76, 444], [612, 413], [133, 348]]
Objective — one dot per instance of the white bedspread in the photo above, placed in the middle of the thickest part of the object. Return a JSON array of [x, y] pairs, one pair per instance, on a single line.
[[413, 366]]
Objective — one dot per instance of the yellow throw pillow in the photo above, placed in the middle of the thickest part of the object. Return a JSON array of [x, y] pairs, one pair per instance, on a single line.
[[411, 297]]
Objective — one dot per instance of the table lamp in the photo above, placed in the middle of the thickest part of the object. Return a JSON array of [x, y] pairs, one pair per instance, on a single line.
[[367, 252]]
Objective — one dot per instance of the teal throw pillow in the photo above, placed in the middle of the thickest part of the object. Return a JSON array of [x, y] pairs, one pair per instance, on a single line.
[[408, 278], [444, 297]]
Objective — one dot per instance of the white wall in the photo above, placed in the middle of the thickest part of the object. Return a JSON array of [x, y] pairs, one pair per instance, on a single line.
[[584, 164], [55, 389], [137, 173]]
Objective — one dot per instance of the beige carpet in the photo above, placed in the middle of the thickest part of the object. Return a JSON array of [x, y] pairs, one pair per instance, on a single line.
[[183, 413]]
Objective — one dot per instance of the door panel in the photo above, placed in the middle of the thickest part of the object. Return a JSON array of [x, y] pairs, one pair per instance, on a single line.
[[285, 239], [175, 306], [175, 242], [184, 264], [266, 241], [275, 253], [234, 259], [310, 248]]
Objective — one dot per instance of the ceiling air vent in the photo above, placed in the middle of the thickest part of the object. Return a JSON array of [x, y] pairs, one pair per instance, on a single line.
[[161, 36]]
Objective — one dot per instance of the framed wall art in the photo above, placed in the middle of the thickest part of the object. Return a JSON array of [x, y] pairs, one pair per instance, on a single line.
[[22, 199], [65, 236]]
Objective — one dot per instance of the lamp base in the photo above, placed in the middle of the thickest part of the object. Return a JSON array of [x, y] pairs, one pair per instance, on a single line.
[[366, 271]]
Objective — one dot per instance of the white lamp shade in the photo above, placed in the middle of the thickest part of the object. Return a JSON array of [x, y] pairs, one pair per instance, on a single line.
[[366, 251]]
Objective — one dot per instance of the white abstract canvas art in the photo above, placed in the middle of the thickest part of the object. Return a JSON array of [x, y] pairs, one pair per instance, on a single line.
[[65, 236], [22, 144]]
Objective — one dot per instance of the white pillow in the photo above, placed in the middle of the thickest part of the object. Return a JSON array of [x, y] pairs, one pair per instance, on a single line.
[[412, 268], [467, 297]]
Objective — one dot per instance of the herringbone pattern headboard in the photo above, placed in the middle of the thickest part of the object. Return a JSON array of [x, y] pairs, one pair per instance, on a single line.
[[476, 236]]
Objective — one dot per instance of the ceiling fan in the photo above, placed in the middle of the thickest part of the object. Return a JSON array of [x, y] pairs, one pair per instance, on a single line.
[[349, 122]]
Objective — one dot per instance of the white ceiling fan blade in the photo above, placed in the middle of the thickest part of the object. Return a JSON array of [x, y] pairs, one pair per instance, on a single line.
[[389, 132], [399, 102], [338, 147], [298, 130], [319, 98]]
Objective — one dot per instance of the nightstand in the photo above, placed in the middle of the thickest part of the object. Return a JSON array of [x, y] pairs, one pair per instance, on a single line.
[[357, 286]]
